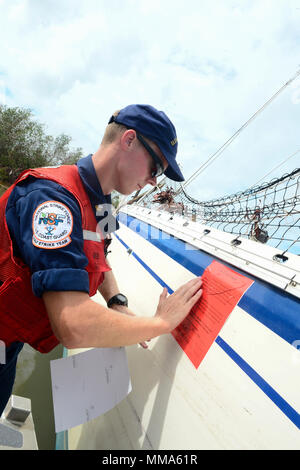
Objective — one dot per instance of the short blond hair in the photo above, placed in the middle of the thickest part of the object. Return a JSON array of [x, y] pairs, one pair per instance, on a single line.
[[113, 131]]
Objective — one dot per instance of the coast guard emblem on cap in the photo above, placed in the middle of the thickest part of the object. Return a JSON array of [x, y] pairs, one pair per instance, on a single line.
[[52, 224]]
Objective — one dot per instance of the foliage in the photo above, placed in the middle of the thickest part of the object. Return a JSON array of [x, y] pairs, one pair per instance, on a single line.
[[115, 199], [25, 144]]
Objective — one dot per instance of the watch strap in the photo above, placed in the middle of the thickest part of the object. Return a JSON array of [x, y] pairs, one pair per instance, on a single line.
[[118, 299]]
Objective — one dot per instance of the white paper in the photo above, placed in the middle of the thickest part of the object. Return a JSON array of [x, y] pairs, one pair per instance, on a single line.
[[88, 384]]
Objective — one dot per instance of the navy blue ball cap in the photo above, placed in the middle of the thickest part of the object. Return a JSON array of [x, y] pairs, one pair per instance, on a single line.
[[156, 126]]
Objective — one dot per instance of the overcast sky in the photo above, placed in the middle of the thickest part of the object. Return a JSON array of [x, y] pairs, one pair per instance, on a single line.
[[208, 64]]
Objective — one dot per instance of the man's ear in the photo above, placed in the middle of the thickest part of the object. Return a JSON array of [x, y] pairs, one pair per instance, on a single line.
[[127, 139]]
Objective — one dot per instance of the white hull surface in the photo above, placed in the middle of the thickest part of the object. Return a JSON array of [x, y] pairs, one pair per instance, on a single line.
[[244, 394]]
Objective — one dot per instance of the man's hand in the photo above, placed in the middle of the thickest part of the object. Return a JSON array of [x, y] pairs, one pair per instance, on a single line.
[[127, 311], [175, 307]]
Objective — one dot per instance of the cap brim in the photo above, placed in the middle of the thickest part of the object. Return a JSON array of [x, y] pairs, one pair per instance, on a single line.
[[173, 172]]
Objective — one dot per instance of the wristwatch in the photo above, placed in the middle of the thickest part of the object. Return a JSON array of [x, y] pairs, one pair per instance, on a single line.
[[118, 299]]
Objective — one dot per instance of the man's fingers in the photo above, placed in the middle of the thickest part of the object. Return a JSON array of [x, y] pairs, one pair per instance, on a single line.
[[195, 298], [188, 289], [164, 293], [195, 287]]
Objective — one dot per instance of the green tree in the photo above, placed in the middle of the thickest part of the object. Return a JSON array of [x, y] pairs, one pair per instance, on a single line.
[[25, 144], [115, 199]]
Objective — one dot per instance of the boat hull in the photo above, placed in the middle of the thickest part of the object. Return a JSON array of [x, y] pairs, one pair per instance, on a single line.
[[244, 394]]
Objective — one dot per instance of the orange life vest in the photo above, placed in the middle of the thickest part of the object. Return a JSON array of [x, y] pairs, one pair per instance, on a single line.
[[23, 316]]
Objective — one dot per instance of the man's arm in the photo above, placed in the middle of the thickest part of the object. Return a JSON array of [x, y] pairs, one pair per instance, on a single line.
[[109, 286], [79, 322]]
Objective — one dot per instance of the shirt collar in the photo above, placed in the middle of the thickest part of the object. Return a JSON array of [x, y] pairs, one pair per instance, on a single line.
[[91, 183]]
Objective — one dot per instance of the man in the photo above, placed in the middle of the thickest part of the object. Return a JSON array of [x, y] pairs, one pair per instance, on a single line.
[[52, 259]]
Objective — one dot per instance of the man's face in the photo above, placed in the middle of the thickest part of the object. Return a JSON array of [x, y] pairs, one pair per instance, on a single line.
[[138, 167]]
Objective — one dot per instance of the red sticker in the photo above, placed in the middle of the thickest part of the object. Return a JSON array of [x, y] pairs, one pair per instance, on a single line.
[[222, 290]]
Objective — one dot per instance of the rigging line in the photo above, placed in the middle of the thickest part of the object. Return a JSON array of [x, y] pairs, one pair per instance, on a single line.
[[275, 168], [235, 135]]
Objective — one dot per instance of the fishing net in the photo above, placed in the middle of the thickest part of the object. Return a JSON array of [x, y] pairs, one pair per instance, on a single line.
[[268, 213]]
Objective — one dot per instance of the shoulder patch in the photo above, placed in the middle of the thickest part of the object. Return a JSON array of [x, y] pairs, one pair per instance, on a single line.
[[52, 224]]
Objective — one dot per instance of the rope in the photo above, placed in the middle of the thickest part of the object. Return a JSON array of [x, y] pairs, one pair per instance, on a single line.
[[269, 213], [215, 155], [275, 168]]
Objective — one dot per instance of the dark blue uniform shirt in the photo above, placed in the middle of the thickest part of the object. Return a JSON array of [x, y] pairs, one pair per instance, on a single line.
[[63, 268]]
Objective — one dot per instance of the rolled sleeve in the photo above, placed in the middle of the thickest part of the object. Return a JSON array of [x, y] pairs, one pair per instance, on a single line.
[[58, 269], [60, 280]]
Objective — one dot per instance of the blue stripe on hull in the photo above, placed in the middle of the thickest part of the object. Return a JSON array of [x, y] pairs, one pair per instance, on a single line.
[[261, 383], [274, 308], [269, 391]]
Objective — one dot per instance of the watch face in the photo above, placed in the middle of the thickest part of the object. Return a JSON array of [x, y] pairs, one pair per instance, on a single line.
[[121, 298], [118, 299]]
